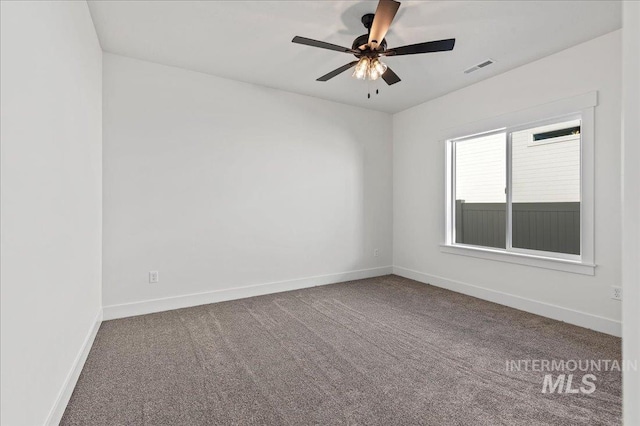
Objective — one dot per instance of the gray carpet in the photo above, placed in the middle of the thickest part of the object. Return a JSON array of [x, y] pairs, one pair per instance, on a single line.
[[381, 351]]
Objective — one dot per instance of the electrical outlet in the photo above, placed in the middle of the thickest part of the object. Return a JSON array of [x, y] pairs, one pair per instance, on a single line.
[[376, 252], [154, 277], [616, 293]]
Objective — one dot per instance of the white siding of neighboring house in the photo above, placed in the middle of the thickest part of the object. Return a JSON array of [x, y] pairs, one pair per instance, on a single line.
[[547, 171], [481, 169]]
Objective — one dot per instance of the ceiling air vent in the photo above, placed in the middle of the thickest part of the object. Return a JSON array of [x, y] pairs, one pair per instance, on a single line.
[[478, 66]]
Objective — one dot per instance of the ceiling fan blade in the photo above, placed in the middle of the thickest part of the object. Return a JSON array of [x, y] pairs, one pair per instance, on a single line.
[[337, 71], [385, 13], [320, 44], [390, 77], [429, 46]]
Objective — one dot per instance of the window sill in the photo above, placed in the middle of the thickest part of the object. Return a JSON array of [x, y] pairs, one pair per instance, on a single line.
[[576, 267]]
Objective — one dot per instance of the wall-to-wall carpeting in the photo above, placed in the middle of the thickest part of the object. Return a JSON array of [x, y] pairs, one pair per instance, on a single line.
[[378, 351]]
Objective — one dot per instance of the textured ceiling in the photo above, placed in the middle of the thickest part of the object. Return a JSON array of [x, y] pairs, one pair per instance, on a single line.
[[250, 41]]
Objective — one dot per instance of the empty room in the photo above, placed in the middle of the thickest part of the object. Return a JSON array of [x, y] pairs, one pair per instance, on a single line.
[[320, 212]]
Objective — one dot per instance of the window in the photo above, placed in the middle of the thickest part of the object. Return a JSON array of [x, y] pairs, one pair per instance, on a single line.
[[524, 193], [519, 189], [545, 189], [480, 197]]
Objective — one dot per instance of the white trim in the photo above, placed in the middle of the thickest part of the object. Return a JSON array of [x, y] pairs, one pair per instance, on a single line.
[[195, 299], [450, 184], [508, 191], [57, 411], [587, 186], [554, 263], [523, 117], [582, 319]]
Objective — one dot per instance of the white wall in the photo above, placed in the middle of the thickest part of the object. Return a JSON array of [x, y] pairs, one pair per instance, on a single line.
[[419, 180], [631, 207], [218, 184], [51, 202]]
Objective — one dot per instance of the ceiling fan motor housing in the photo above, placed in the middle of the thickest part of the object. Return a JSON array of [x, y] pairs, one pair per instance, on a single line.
[[367, 21], [364, 39]]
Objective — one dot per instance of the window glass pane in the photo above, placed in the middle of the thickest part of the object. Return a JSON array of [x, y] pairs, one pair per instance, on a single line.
[[480, 200], [546, 188]]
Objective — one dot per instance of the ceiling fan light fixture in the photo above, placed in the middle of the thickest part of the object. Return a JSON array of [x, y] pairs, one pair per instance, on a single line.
[[362, 69], [369, 69], [373, 73], [376, 69]]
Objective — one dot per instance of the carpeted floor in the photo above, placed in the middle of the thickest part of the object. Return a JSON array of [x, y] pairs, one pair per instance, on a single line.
[[381, 351]]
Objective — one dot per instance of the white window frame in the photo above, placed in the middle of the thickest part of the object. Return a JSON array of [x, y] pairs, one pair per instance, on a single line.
[[579, 107]]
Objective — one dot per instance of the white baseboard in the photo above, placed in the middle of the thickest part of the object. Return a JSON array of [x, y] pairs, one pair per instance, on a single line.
[[582, 319], [55, 415], [188, 300]]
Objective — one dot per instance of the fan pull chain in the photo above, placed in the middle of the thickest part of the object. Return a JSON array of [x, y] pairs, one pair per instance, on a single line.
[[369, 90]]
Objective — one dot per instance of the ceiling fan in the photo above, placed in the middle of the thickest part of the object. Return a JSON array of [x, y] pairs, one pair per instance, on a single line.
[[368, 48]]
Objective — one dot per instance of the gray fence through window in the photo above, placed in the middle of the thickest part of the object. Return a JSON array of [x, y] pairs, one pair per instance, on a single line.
[[553, 227]]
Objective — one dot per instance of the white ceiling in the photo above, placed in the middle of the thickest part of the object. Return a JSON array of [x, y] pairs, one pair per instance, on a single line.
[[250, 41]]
